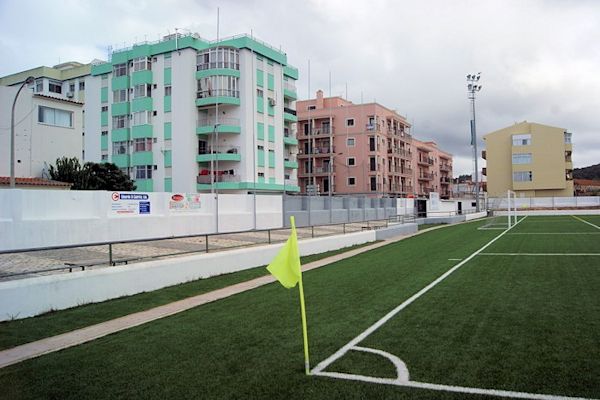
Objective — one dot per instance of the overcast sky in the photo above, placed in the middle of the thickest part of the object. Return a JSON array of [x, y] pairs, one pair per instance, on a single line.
[[540, 60]]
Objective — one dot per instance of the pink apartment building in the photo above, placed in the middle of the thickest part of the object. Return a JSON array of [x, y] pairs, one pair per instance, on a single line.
[[365, 149]]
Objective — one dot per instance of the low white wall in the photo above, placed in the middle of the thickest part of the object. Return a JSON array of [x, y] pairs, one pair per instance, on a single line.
[[546, 202], [29, 297], [552, 212], [46, 218], [472, 216]]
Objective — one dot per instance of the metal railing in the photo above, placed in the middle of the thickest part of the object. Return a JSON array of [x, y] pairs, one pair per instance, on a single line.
[[203, 94], [289, 110], [218, 178], [219, 64], [222, 121], [220, 150]]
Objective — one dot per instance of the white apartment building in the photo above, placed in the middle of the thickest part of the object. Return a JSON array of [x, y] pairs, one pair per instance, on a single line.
[[189, 115]]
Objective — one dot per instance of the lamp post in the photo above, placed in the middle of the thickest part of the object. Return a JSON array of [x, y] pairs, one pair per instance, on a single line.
[[28, 81], [472, 88]]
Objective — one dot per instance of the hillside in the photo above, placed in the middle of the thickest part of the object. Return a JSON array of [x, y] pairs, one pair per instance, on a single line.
[[591, 172]]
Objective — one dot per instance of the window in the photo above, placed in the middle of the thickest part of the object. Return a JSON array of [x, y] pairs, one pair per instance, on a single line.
[[104, 108], [141, 91], [104, 157], [104, 81], [143, 171], [350, 142], [141, 118], [351, 181], [120, 122], [144, 144], [521, 158], [104, 133], [168, 60], [306, 129], [351, 161], [350, 122], [141, 64], [522, 176], [521, 140], [54, 116], [371, 143], [119, 148], [259, 93], [311, 108], [55, 87], [81, 85], [261, 174], [71, 87], [218, 85], [372, 164], [39, 85], [120, 96], [167, 90], [568, 136], [222, 57], [373, 183], [120, 70]]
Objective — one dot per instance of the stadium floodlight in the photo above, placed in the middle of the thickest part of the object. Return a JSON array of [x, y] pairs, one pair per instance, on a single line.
[[473, 88]]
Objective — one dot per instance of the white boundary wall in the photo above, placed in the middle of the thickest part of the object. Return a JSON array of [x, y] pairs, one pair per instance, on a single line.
[[472, 216], [46, 218], [548, 202], [551, 212], [33, 296]]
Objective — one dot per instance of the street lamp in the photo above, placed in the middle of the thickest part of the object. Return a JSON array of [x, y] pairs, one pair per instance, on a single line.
[[28, 81], [472, 88]]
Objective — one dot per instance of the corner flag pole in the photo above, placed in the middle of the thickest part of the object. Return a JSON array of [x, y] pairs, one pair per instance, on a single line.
[[302, 312]]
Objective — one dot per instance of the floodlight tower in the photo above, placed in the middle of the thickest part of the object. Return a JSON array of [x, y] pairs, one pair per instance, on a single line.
[[473, 87]]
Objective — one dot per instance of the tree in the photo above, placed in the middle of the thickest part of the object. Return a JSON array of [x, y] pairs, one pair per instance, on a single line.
[[91, 176]]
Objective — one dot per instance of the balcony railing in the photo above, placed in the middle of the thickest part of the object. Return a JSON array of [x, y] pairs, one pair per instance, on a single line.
[[205, 179], [445, 179], [289, 86], [219, 150], [445, 167], [289, 111], [290, 182], [425, 176], [211, 121], [214, 65], [203, 94], [425, 161]]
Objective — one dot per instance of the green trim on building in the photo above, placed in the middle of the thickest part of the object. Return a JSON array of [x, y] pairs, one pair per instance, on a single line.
[[141, 104], [218, 156], [118, 109], [167, 76], [101, 69], [103, 118], [104, 95], [217, 99], [260, 104], [168, 184], [167, 158], [121, 160], [167, 104], [142, 158], [271, 133], [290, 94], [270, 81], [260, 78], [256, 46], [250, 185], [119, 135], [167, 130], [290, 117], [290, 141], [141, 77], [217, 71], [260, 158], [144, 185], [272, 179], [291, 164], [141, 131], [120, 82], [260, 131], [271, 158], [103, 142], [290, 71], [260, 179], [271, 110], [209, 129]]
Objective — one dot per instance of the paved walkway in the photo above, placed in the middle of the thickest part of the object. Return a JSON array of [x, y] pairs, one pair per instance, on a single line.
[[79, 336]]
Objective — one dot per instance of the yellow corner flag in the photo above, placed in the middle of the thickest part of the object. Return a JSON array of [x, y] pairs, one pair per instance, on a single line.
[[286, 268]]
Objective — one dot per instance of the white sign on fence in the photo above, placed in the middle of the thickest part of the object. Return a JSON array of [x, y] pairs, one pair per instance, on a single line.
[[130, 204], [183, 202]]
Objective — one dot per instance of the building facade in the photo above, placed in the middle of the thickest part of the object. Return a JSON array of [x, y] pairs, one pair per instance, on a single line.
[[186, 114], [531, 159], [347, 148], [46, 128]]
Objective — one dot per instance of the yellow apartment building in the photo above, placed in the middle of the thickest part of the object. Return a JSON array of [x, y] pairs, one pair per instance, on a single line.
[[531, 159]]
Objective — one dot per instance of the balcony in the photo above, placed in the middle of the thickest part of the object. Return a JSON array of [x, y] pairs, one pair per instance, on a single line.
[[425, 161], [289, 90], [289, 139], [289, 115], [446, 167], [424, 176], [220, 153], [207, 98], [219, 176], [406, 171], [317, 152], [287, 163], [206, 126], [319, 132], [445, 180]]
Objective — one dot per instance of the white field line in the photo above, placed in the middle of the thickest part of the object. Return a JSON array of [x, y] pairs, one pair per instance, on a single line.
[[586, 222], [539, 254], [448, 388], [328, 361], [554, 233]]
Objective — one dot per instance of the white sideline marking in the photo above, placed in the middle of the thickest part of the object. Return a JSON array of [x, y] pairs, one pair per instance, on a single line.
[[401, 370], [448, 388], [455, 259], [325, 363], [554, 233], [539, 254], [584, 221]]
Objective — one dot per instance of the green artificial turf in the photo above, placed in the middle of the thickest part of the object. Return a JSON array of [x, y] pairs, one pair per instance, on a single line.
[[498, 322], [14, 333]]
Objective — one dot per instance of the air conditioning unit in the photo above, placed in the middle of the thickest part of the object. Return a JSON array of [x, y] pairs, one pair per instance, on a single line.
[[272, 102], [70, 95]]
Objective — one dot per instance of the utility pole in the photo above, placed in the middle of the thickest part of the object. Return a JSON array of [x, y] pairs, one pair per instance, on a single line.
[[472, 88]]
